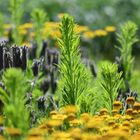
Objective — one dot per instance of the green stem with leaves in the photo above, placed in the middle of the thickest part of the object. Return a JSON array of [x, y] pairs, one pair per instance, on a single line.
[[126, 38], [74, 77], [16, 9], [38, 18]]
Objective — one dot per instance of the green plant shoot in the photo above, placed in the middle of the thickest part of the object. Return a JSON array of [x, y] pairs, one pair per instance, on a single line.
[[74, 79], [126, 38], [38, 18], [14, 100], [110, 82], [16, 9]]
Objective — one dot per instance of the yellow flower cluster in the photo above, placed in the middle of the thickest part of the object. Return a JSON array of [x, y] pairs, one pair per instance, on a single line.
[[51, 30], [66, 124]]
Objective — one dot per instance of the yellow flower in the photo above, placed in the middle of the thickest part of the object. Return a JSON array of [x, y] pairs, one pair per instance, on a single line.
[[54, 112], [126, 117], [31, 35], [59, 117], [116, 135], [136, 106], [110, 29], [7, 26], [117, 105], [88, 34], [2, 138], [51, 25], [136, 136], [23, 32], [55, 34], [103, 111], [27, 44], [69, 109], [35, 138], [27, 25], [129, 111], [75, 133], [111, 123], [95, 123], [71, 116], [59, 135], [1, 119], [75, 122], [35, 132], [6, 33], [13, 131], [130, 100], [100, 32], [85, 117], [54, 123], [127, 124], [114, 112], [79, 29]]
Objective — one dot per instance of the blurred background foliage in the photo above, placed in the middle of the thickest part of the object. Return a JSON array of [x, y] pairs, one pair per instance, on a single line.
[[93, 13], [96, 14]]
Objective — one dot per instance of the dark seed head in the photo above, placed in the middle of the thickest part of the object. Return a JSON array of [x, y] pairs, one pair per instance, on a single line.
[[7, 62], [24, 58], [41, 103], [16, 57], [1, 56], [93, 69], [35, 67], [45, 86], [44, 46]]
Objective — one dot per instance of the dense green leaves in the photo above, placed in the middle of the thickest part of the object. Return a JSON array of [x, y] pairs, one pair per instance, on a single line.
[[74, 80], [16, 9], [127, 38], [38, 18], [14, 99], [110, 82]]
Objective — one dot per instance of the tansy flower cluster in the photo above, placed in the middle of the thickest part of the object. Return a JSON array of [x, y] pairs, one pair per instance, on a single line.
[[68, 124], [51, 30]]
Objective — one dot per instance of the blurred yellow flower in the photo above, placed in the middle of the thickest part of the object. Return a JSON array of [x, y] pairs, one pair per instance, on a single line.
[[13, 131], [100, 32], [7, 26], [89, 34], [110, 28], [23, 32], [69, 109], [117, 105]]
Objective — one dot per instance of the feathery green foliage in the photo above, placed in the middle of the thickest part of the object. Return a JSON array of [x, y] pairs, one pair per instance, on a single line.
[[14, 99], [110, 82], [38, 18], [16, 8], [126, 38], [75, 78]]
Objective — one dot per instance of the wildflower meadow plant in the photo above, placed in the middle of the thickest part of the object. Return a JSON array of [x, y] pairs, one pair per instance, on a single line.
[[110, 82], [16, 10], [74, 77], [38, 18], [127, 38], [14, 99]]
